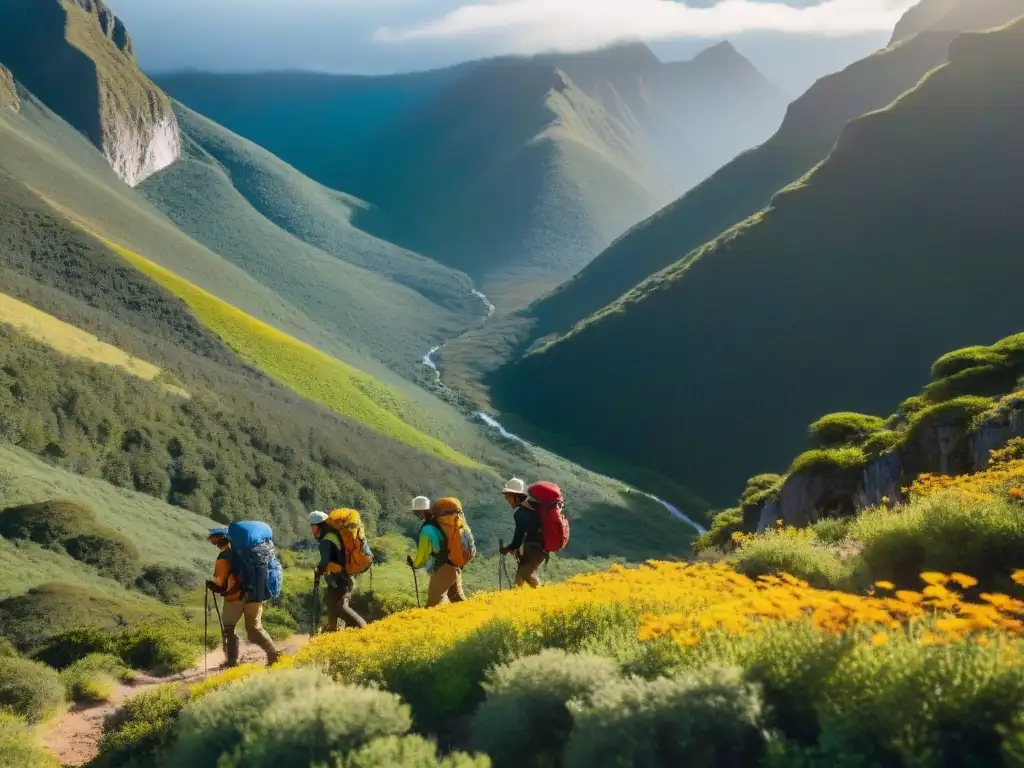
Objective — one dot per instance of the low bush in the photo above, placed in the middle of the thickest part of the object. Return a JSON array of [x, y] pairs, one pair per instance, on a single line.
[[710, 718], [293, 717], [72, 527], [525, 718], [7, 648], [788, 551], [167, 583], [165, 648], [279, 624], [944, 532], [958, 411], [829, 458], [65, 649], [719, 536], [839, 429], [19, 746], [140, 730], [832, 530], [952, 363], [883, 441], [408, 752], [759, 487], [30, 689], [988, 380], [94, 678]]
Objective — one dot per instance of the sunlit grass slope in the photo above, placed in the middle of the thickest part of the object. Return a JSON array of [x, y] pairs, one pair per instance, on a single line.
[[308, 371], [69, 340]]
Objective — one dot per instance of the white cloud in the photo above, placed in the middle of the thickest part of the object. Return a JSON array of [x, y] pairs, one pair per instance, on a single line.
[[528, 26]]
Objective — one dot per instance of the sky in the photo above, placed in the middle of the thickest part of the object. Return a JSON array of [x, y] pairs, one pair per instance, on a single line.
[[791, 41]]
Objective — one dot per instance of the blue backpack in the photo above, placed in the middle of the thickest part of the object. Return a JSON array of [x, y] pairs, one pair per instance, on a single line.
[[254, 560]]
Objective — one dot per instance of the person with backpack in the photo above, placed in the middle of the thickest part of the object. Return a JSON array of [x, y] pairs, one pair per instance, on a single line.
[[332, 568], [247, 573], [541, 528], [446, 546]]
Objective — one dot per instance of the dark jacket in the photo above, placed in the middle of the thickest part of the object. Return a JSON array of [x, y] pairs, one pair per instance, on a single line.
[[528, 528], [332, 561]]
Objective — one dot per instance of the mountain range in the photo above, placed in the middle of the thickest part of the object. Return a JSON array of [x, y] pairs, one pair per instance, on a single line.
[[841, 291]]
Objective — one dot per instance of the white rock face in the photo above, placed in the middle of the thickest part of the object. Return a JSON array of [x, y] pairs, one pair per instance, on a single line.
[[8, 93], [136, 149]]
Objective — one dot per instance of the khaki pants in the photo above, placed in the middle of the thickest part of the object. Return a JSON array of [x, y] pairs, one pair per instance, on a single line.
[[338, 607], [445, 581], [253, 614], [532, 559]]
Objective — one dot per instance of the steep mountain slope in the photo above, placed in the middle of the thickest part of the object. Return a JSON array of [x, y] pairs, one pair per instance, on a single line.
[[812, 124], [516, 170], [956, 16], [295, 237], [77, 57], [8, 91], [902, 244]]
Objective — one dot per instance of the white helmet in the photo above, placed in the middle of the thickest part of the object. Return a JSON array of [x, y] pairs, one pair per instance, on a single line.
[[515, 485], [317, 518], [421, 504]]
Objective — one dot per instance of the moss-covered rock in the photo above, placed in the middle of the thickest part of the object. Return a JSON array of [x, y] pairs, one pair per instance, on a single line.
[[839, 429]]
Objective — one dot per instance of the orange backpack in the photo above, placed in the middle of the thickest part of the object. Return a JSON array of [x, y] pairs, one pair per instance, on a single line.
[[349, 527], [458, 538]]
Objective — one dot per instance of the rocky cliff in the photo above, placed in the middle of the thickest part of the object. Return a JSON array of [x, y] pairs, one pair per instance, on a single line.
[[8, 93], [77, 57]]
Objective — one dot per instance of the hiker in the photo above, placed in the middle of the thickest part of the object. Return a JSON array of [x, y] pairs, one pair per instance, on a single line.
[[332, 565], [533, 541], [446, 546], [227, 581]]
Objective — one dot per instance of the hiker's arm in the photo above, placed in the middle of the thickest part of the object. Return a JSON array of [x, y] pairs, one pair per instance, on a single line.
[[520, 534], [424, 550], [221, 573], [325, 556]]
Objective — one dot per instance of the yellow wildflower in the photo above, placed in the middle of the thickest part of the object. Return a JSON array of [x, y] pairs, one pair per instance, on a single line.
[[934, 577], [885, 585], [879, 639], [963, 580]]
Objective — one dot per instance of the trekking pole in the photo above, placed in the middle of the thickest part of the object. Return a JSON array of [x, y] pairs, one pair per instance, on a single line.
[[501, 557], [315, 608], [416, 586], [206, 632], [220, 624]]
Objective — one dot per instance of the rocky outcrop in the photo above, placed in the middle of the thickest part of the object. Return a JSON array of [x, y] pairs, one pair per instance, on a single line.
[[77, 57], [997, 428], [812, 494], [8, 93]]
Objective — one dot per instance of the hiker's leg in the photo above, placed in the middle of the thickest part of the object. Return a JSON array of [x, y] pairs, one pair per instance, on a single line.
[[526, 573], [253, 613], [349, 611], [230, 616], [334, 596], [441, 580], [455, 593]]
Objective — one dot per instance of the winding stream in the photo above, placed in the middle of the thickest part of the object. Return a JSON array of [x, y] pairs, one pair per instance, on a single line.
[[492, 423]]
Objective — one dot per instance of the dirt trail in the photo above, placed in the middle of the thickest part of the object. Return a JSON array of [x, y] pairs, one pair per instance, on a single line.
[[75, 736]]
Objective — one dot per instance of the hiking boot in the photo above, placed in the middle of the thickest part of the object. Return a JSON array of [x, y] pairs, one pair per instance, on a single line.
[[231, 650], [263, 640]]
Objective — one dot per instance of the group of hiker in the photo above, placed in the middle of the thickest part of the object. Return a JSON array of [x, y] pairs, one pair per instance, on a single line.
[[247, 572]]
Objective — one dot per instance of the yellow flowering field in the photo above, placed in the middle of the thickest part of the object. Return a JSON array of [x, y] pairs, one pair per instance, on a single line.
[[1004, 479]]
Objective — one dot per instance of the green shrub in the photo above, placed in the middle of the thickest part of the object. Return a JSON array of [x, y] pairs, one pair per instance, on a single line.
[[74, 528], [29, 689], [920, 705], [839, 429], [279, 624], [952, 363], [293, 717], [165, 648], [7, 648], [65, 649], [167, 583], [390, 548], [913, 405], [719, 536], [94, 678], [525, 719], [710, 718], [986, 380], [19, 746], [832, 530], [883, 441], [829, 458], [761, 488], [940, 533], [140, 730], [959, 410], [776, 552], [408, 752]]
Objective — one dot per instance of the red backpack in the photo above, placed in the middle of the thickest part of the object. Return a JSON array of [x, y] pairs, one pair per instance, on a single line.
[[546, 498]]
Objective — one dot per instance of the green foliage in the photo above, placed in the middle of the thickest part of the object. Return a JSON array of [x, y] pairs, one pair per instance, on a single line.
[[19, 746], [525, 719], [139, 731], [960, 360], [29, 689], [290, 717], [960, 410], [760, 488], [64, 649], [882, 441], [73, 527], [279, 623], [940, 533], [832, 530], [719, 536], [168, 583], [407, 752], [93, 678], [708, 718], [165, 647], [797, 554], [7, 648], [839, 429], [829, 458]]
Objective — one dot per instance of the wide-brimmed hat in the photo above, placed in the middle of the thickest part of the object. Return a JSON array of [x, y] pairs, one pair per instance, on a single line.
[[516, 486]]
